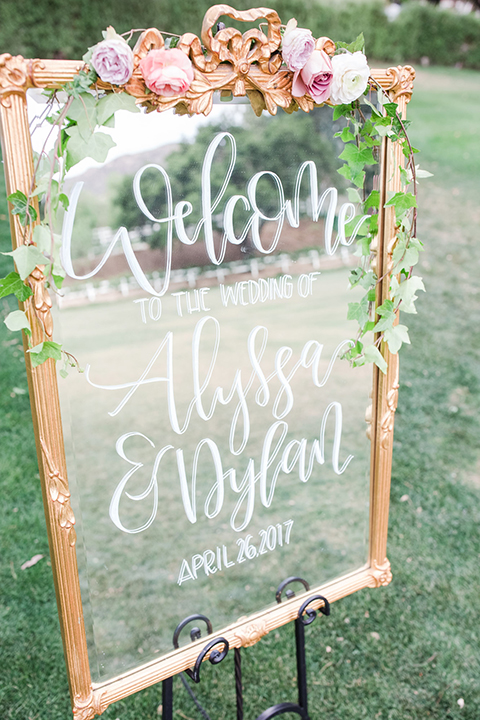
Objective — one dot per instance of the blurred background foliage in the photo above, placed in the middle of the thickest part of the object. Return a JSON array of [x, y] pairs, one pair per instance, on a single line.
[[56, 29]]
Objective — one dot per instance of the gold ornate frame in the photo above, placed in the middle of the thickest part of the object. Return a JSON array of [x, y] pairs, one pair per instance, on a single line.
[[242, 64]]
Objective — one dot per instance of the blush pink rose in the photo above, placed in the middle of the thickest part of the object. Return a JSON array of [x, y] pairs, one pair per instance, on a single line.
[[297, 46], [112, 60], [315, 78], [167, 72]]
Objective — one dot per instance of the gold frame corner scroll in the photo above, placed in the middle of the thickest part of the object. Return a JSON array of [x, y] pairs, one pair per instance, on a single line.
[[260, 76]]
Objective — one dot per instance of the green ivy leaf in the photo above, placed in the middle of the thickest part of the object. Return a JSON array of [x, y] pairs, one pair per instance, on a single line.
[[359, 311], [58, 280], [371, 142], [109, 105], [387, 316], [20, 205], [363, 244], [342, 111], [43, 240], [373, 354], [376, 114], [42, 185], [63, 199], [96, 147], [83, 112], [26, 258], [391, 109], [358, 178], [45, 350], [406, 149], [373, 200], [352, 224], [373, 224], [357, 157], [355, 350], [110, 123], [404, 257], [81, 83], [368, 327], [416, 243], [384, 130], [14, 284], [357, 45], [87, 57], [406, 292], [395, 337], [346, 171], [402, 202], [17, 320], [355, 276], [386, 308], [385, 323], [346, 135], [419, 173], [353, 195], [368, 279]]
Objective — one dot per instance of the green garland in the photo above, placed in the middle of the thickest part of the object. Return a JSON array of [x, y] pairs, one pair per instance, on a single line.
[[79, 135]]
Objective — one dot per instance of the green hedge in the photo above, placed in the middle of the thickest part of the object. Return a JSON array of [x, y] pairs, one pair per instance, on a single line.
[[56, 28]]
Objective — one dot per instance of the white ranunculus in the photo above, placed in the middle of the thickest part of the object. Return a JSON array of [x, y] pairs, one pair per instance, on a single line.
[[350, 77]]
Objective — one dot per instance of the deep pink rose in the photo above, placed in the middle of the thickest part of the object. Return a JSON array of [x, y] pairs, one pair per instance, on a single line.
[[314, 78], [167, 72], [112, 60]]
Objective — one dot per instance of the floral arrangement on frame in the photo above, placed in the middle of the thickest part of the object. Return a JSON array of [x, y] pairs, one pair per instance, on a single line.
[[287, 68]]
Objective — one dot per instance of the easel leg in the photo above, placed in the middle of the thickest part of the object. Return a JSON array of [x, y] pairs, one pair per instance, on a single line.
[[238, 683], [167, 699], [301, 665]]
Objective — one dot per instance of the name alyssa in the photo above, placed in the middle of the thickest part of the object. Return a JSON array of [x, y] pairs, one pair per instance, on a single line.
[[276, 456], [288, 210]]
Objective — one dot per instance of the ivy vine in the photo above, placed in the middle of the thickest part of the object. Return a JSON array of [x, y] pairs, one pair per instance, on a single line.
[[362, 138]]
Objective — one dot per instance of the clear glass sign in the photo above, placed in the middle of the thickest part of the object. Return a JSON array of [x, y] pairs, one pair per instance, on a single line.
[[216, 440]]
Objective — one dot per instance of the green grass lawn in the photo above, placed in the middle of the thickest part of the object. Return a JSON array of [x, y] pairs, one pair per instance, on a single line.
[[406, 652]]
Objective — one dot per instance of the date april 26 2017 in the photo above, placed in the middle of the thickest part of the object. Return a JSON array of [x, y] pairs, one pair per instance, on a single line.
[[210, 561]]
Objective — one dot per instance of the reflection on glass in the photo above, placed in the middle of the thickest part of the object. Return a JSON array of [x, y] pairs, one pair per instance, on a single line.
[[216, 440]]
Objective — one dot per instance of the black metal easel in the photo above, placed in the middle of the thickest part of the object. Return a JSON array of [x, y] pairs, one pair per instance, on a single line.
[[304, 617]]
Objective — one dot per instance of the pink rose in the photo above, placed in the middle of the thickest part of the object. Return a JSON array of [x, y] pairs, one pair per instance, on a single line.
[[167, 72], [112, 60], [297, 46], [314, 78]]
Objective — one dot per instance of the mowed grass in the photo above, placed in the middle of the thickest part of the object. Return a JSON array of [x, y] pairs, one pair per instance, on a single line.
[[406, 652]]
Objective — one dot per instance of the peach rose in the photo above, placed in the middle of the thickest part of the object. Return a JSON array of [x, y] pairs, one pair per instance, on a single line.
[[314, 78], [167, 72]]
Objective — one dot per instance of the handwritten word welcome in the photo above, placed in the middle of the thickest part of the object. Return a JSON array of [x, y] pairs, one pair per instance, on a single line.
[[175, 216]]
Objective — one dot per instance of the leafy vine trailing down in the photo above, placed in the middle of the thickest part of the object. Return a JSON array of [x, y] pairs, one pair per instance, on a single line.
[[88, 108]]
